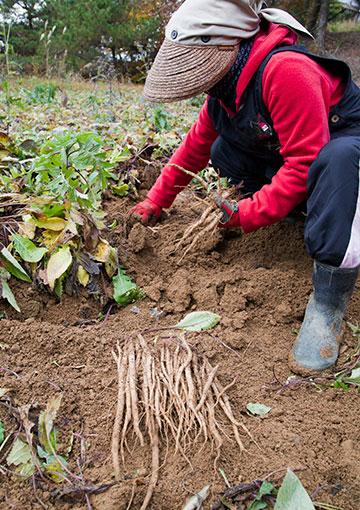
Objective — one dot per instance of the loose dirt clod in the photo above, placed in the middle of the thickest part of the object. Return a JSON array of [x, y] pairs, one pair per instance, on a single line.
[[166, 392]]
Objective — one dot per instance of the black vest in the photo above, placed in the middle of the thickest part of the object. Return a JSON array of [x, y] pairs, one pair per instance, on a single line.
[[251, 129]]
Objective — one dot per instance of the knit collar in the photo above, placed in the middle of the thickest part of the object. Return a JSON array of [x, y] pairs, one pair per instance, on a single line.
[[225, 89]]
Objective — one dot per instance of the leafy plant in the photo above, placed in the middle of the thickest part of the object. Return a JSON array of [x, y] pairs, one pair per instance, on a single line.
[[42, 94], [72, 166], [212, 179], [160, 119], [266, 489], [38, 452], [58, 239]]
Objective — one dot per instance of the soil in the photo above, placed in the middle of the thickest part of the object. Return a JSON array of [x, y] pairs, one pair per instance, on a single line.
[[259, 284]]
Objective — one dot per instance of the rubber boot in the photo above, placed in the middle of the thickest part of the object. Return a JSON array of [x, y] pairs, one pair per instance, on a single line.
[[317, 344]]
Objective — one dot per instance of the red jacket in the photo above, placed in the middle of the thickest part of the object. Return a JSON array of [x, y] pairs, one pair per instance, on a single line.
[[298, 94]]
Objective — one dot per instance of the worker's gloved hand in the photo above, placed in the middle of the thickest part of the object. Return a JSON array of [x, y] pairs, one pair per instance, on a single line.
[[230, 212], [146, 212]]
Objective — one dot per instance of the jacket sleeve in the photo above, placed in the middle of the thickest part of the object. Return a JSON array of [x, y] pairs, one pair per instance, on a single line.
[[193, 154], [297, 93]]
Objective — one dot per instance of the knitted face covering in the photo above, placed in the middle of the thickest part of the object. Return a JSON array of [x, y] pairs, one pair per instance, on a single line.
[[225, 89]]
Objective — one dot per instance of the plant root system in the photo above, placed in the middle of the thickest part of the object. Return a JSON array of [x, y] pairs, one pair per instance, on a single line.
[[167, 393], [204, 233]]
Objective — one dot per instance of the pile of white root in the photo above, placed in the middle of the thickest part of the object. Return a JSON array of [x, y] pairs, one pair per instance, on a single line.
[[168, 393]]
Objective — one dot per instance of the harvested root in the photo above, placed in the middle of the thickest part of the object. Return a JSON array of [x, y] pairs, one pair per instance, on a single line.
[[167, 393], [204, 232]]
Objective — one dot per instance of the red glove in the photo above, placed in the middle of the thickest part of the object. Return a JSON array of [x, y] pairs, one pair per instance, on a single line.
[[230, 212], [147, 212]]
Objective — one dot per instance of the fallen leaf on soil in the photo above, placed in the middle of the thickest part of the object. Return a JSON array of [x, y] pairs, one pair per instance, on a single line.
[[199, 321], [354, 377], [20, 456], [125, 290], [292, 495], [258, 409], [195, 502]]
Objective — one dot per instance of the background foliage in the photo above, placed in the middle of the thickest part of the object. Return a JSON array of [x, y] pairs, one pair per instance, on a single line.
[[95, 36]]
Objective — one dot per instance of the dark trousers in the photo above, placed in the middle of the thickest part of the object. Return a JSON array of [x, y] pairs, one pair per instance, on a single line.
[[332, 227]]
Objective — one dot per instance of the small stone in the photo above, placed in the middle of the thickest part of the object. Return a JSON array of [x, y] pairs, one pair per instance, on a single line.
[[348, 445], [155, 313]]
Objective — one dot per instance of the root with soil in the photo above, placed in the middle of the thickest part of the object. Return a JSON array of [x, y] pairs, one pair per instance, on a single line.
[[167, 393], [204, 231]]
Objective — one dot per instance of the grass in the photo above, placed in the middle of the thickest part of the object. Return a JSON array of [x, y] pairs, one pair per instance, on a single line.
[[344, 26]]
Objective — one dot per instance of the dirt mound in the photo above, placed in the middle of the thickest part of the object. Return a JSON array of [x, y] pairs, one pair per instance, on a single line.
[[259, 284]]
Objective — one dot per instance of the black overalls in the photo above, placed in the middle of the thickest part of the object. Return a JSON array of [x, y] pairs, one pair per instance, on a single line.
[[247, 151]]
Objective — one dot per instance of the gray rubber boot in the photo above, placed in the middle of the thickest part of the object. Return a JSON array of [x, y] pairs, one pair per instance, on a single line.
[[317, 344]]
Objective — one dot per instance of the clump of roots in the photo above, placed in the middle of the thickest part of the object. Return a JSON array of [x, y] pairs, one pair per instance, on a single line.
[[203, 233], [167, 393]]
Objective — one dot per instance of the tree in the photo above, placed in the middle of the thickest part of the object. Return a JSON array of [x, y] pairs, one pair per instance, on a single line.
[[27, 10], [322, 23]]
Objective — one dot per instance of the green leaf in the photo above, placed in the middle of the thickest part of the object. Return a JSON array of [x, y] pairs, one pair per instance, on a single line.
[[20, 456], [266, 489], [339, 384], [2, 432], [54, 209], [198, 321], [258, 409], [258, 505], [355, 329], [354, 377], [8, 295], [54, 467], [27, 250], [125, 290], [58, 264], [120, 190], [292, 495], [12, 265]]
